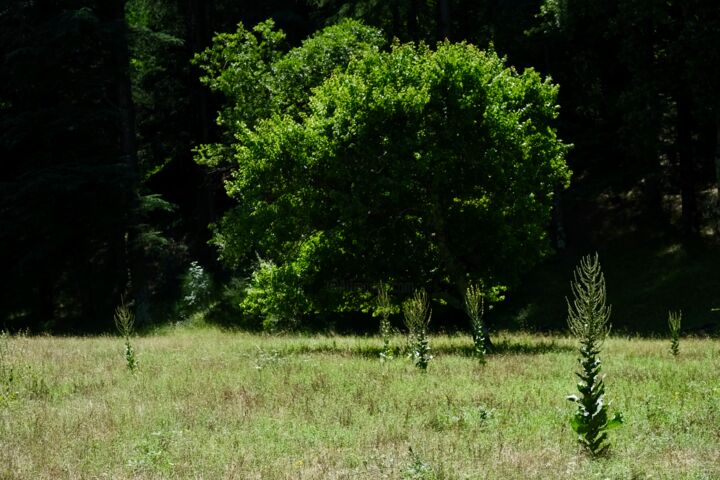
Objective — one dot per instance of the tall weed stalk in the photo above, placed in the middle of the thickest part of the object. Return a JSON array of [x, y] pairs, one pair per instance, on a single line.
[[588, 317], [417, 314], [674, 322], [475, 307], [384, 308], [125, 323]]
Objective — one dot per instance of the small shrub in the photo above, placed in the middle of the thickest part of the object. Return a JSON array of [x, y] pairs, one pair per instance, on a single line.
[[418, 469], [475, 306], [36, 386], [196, 290], [265, 358], [417, 314], [588, 317], [674, 321], [383, 309], [274, 294], [228, 309], [453, 417], [153, 453], [125, 322]]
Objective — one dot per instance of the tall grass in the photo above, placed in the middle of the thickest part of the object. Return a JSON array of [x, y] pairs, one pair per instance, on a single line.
[[318, 409]]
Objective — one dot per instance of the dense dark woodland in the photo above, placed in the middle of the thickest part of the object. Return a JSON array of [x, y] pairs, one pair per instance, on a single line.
[[101, 110]]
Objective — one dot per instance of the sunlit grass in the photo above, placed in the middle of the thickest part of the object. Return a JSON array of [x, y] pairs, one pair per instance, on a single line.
[[211, 404]]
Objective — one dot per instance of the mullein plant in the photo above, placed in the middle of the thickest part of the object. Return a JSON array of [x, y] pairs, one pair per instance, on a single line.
[[674, 321], [124, 322], [417, 314], [588, 317], [384, 308], [474, 307]]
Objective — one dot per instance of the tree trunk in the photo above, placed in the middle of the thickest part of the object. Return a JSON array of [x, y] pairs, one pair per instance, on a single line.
[[413, 29], [443, 20], [128, 139], [45, 302], [454, 268], [717, 150], [397, 25], [717, 170], [197, 34], [202, 122], [451, 264], [558, 222], [689, 221], [123, 86]]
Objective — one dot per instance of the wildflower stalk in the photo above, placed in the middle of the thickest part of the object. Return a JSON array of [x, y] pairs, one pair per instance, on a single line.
[[475, 306], [674, 321], [588, 317], [384, 308], [125, 322], [417, 314]]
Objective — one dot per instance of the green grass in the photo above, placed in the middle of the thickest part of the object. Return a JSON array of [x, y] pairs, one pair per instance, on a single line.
[[208, 404]]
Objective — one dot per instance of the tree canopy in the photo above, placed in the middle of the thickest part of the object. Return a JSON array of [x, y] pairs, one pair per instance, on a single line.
[[411, 166]]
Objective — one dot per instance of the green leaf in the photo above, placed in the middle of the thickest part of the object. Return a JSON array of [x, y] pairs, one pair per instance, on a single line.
[[615, 422], [579, 425]]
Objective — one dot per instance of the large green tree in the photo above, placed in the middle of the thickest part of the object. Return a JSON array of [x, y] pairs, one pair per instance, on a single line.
[[412, 166]]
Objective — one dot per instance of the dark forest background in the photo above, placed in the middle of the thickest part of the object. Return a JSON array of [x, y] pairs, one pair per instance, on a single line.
[[101, 110]]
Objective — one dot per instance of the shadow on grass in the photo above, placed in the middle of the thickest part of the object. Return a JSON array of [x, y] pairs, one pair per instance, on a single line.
[[503, 347], [526, 348]]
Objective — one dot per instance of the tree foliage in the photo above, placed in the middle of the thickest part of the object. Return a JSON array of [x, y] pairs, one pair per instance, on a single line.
[[260, 77], [413, 166]]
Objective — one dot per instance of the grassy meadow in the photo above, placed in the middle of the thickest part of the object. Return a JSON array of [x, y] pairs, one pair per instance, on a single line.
[[211, 404]]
